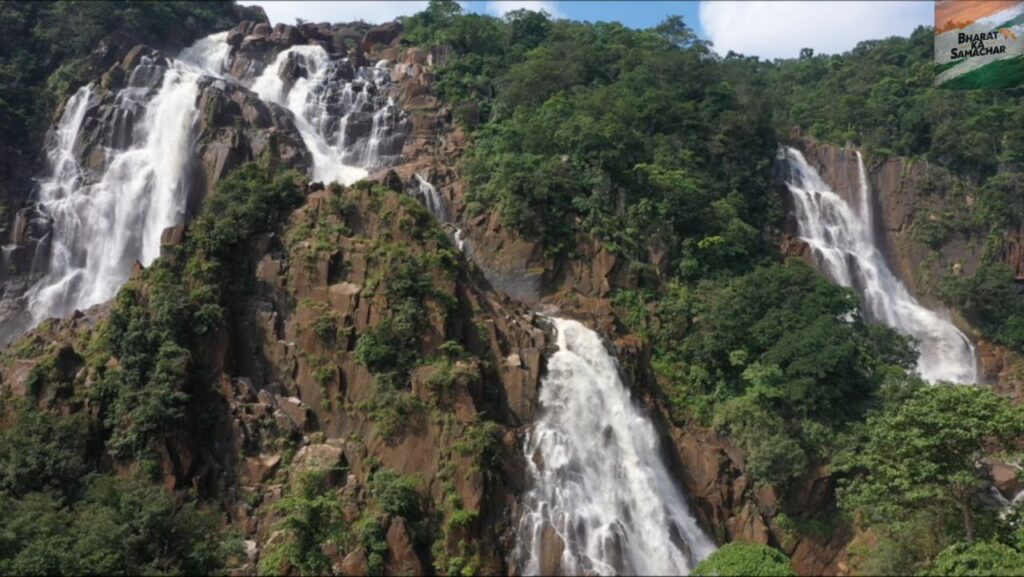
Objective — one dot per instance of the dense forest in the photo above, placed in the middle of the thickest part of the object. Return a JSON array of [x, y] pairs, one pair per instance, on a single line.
[[637, 138]]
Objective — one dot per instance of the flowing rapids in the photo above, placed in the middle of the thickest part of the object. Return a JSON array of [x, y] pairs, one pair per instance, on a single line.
[[843, 245], [599, 481]]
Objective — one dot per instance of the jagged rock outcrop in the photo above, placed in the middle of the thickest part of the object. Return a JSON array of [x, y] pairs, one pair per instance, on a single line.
[[235, 127], [254, 44]]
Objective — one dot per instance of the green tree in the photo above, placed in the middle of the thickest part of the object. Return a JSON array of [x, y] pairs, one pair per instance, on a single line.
[[927, 452], [978, 560], [120, 526], [745, 559]]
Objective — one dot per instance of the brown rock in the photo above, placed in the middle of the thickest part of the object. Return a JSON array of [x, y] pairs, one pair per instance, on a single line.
[[296, 411], [551, 549], [258, 470], [384, 35], [1006, 478], [401, 558], [354, 564], [320, 457], [748, 526]]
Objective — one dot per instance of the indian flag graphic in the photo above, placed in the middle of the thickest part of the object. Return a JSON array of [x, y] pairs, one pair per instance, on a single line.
[[979, 44]]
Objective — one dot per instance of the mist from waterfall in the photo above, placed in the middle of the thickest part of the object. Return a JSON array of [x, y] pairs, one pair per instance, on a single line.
[[843, 246], [599, 480]]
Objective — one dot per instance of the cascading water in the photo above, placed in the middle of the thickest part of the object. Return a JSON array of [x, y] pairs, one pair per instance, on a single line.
[[327, 108], [107, 217], [438, 206], [843, 246], [101, 228], [599, 481]]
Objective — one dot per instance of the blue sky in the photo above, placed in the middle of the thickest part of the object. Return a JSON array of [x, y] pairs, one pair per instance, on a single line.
[[770, 29]]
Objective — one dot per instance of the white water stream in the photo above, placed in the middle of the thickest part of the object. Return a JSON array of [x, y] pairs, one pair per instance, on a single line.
[[843, 245], [324, 103], [101, 229], [599, 478], [104, 221]]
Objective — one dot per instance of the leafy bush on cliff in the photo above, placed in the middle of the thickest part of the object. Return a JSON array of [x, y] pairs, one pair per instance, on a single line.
[[598, 128], [978, 560], [927, 452], [745, 559], [992, 301], [311, 518], [42, 451]]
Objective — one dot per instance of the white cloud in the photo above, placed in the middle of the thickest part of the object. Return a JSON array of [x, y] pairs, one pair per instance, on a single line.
[[316, 11], [781, 29], [502, 7]]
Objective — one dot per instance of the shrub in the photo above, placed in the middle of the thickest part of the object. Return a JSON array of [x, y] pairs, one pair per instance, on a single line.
[[745, 559]]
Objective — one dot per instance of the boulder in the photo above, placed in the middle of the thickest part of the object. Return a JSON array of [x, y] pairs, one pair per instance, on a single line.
[[382, 35], [551, 549], [354, 564], [1006, 478], [259, 469], [321, 457]]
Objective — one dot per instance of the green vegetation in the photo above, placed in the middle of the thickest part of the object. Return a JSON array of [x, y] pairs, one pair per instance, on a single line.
[[597, 128], [311, 519], [41, 451], [158, 324], [778, 358], [745, 559], [925, 454], [391, 494], [978, 560], [116, 527], [642, 139], [660, 150], [992, 302], [66, 515]]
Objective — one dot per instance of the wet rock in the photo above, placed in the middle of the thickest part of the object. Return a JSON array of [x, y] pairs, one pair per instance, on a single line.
[[551, 549]]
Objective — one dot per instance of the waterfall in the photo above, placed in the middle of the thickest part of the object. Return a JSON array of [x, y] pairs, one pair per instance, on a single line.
[[102, 227], [844, 248], [599, 481], [438, 206], [325, 104]]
